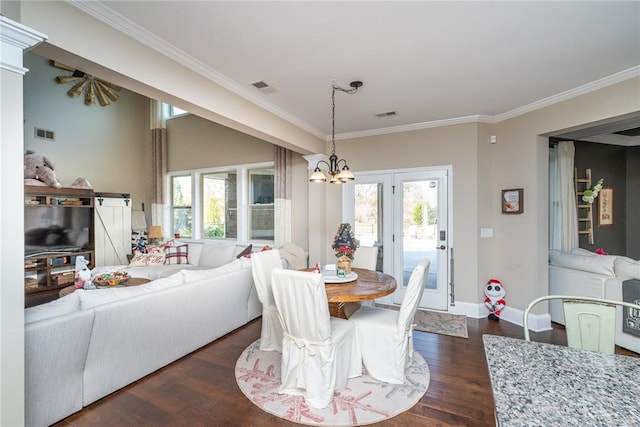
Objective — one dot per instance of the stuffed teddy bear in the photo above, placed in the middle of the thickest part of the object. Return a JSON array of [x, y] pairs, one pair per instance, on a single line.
[[494, 301], [38, 170]]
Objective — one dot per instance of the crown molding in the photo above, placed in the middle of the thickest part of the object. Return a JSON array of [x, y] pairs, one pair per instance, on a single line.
[[415, 126], [572, 93], [15, 38], [126, 26]]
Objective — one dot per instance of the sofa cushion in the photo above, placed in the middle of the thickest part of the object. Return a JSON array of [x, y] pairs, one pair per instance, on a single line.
[[65, 305], [192, 275], [215, 255], [581, 251], [195, 249], [600, 264], [177, 254], [92, 298], [627, 268]]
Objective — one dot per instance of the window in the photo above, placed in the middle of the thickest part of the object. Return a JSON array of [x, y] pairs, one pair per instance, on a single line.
[[219, 205], [261, 213], [181, 205], [175, 111], [232, 203]]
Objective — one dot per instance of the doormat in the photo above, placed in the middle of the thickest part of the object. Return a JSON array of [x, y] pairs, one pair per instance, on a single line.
[[363, 401], [454, 325], [436, 322]]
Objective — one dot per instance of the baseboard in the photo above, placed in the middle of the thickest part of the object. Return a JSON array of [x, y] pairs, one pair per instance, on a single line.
[[537, 322]]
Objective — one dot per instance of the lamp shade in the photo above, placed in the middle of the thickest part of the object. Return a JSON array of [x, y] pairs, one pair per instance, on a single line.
[[155, 232], [138, 221]]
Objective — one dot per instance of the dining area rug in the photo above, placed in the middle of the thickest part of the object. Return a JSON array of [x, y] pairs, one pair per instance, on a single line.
[[363, 401]]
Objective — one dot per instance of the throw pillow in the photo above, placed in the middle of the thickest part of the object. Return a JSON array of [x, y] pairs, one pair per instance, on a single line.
[[246, 252], [155, 257], [177, 254], [215, 255]]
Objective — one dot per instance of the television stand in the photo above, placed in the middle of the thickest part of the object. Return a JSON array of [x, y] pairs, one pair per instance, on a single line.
[[52, 268]]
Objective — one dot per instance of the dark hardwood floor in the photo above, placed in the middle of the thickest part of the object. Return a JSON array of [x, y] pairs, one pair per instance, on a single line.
[[200, 389]]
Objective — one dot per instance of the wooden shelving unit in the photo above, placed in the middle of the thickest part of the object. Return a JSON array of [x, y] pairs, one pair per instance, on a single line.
[[584, 210], [48, 271]]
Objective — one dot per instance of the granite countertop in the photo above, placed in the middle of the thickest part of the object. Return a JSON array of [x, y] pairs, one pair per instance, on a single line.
[[538, 384]]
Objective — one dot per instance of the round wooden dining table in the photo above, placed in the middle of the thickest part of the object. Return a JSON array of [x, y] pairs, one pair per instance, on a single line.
[[369, 285]]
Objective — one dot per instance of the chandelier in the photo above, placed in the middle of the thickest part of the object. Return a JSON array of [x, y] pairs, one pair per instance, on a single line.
[[338, 175]]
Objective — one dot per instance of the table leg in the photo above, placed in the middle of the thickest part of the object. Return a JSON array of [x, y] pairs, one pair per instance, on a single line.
[[336, 309]]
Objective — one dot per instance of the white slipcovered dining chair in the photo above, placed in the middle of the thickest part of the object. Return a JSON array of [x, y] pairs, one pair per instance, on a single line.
[[386, 335], [365, 257], [262, 265], [590, 323], [319, 353]]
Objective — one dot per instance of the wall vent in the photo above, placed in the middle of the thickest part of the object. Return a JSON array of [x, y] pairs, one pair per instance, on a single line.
[[45, 134], [386, 114]]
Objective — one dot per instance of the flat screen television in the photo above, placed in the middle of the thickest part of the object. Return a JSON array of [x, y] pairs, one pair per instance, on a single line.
[[56, 229]]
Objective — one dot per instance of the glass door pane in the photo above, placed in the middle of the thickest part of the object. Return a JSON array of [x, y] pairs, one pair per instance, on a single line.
[[368, 217]]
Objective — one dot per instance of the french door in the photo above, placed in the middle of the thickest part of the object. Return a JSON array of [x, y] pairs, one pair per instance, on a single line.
[[405, 214]]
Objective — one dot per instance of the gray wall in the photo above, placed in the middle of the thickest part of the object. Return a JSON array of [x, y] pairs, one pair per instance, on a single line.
[[633, 202], [619, 166], [109, 146]]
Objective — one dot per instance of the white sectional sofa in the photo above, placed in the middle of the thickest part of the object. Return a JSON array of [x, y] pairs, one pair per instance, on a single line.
[[199, 255], [584, 273], [91, 343]]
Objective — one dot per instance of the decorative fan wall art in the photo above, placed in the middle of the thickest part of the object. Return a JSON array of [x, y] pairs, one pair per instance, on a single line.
[[92, 87]]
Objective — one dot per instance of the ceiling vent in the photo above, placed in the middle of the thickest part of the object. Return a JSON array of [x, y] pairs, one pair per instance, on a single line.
[[387, 114], [263, 87], [260, 85]]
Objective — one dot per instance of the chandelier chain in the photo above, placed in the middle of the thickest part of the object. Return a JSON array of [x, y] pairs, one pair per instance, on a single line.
[[353, 89]]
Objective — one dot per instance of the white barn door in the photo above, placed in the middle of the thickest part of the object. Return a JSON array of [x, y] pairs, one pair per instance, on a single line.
[[112, 230]]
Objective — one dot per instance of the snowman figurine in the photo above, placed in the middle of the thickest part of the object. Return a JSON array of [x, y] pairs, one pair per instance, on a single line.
[[494, 301], [82, 277]]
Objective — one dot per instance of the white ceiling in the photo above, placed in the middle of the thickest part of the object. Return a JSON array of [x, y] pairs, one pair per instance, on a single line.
[[431, 62]]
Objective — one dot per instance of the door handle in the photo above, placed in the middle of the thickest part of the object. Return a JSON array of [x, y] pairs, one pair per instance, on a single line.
[[441, 247]]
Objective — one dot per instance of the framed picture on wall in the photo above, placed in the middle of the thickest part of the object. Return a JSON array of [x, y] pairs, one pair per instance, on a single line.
[[513, 201], [605, 207]]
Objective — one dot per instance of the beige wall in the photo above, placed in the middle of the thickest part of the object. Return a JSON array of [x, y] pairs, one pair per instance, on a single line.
[[517, 252], [519, 248], [196, 143], [456, 146], [91, 45], [109, 146]]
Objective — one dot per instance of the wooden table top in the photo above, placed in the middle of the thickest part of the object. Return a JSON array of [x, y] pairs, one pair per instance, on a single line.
[[369, 285]]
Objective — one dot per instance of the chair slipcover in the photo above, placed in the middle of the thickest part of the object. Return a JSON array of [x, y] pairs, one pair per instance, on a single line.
[[319, 352], [262, 264], [386, 335], [590, 322], [365, 257]]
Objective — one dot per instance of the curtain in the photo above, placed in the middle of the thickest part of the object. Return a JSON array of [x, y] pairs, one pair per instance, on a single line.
[[282, 202], [159, 158], [563, 216]]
